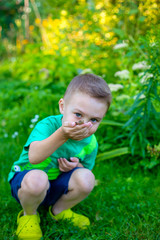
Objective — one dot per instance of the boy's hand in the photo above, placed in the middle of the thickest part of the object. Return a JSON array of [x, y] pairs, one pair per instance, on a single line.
[[76, 132], [65, 165]]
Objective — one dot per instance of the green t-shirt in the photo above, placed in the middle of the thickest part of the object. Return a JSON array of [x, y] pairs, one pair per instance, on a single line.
[[85, 150]]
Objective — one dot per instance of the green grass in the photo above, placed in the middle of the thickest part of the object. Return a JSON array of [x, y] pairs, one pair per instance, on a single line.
[[124, 205]]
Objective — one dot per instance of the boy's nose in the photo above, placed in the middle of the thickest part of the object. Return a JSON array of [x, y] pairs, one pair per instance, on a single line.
[[85, 120]]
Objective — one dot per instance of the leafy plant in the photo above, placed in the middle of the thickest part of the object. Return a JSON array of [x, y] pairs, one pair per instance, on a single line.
[[153, 157], [143, 125]]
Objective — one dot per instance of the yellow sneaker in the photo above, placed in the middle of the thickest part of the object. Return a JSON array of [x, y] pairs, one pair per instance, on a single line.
[[28, 227], [77, 219]]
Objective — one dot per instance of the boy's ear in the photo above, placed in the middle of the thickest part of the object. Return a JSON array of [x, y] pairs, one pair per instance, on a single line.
[[61, 105]]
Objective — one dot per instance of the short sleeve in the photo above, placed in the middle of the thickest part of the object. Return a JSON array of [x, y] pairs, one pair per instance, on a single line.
[[41, 131]]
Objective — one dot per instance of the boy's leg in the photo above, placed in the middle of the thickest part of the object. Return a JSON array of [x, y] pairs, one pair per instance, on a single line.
[[33, 190], [80, 185]]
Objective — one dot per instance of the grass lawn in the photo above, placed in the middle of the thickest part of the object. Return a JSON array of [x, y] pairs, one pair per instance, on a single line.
[[125, 204]]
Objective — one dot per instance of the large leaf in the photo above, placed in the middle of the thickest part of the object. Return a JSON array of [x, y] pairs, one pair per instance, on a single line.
[[112, 154]]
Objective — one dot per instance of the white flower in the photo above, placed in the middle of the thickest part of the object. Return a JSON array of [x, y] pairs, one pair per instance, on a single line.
[[145, 77], [141, 74], [124, 74], [6, 135], [122, 97], [141, 97], [120, 45], [140, 65], [35, 119], [152, 44], [15, 134], [115, 87], [28, 9], [31, 125], [36, 116], [87, 70]]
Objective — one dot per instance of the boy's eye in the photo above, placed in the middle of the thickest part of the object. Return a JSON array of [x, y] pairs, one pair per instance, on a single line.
[[93, 120], [78, 115]]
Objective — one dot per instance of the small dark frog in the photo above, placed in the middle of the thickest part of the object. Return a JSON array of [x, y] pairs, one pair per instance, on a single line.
[[79, 122]]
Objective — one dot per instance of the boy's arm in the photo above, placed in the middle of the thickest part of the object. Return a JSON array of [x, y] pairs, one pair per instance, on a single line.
[[40, 150]]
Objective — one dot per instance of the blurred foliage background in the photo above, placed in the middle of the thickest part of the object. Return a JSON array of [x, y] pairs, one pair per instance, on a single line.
[[44, 44]]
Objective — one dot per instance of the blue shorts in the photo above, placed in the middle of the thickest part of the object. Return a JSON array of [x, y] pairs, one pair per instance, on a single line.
[[57, 187]]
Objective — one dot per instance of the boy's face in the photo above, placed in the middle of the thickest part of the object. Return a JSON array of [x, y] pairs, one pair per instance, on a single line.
[[80, 106]]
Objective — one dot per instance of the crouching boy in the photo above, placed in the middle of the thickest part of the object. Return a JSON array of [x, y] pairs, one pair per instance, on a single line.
[[54, 168]]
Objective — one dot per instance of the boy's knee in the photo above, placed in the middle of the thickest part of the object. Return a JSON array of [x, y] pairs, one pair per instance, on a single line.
[[35, 182], [84, 180]]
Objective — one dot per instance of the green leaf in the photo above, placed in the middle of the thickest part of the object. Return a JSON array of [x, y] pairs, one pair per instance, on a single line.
[[149, 86], [141, 19], [112, 154], [149, 107], [133, 11], [134, 118], [136, 103], [112, 123], [119, 32]]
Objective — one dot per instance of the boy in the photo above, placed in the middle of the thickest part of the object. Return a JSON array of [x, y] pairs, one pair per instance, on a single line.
[[55, 166]]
